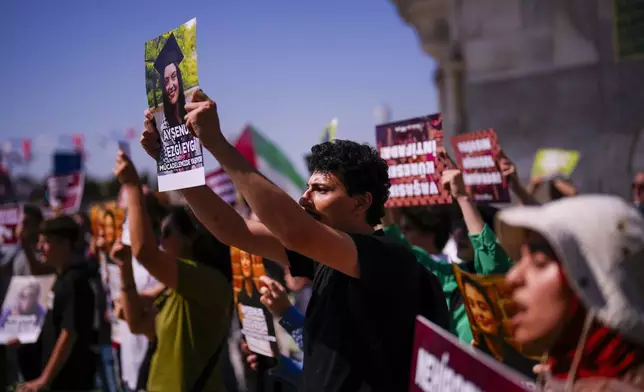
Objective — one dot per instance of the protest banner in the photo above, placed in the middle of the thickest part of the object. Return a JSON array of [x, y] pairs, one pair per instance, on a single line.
[[222, 185], [65, 193], [441, 363], [24, 308], [256, 321], [553, 162], [411, 148], [10, 217], [477, 154], [171, 79], [66, 186], [490, 309]]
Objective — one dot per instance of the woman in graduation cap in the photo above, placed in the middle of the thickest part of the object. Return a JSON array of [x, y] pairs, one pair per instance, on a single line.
[[174, 99]]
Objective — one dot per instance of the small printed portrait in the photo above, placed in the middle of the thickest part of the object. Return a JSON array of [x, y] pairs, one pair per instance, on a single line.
[[23, 304], [482, 308]]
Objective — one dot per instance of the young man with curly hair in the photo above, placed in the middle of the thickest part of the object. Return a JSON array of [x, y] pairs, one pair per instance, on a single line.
[[367, 290]]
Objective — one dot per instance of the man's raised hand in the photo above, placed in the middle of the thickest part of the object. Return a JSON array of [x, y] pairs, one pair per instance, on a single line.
[[202, 119]]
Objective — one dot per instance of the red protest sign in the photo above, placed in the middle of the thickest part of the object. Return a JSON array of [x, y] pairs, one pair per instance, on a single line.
[[476, 154], [411, 148], [66, 192], [441, 363], [10, 216]]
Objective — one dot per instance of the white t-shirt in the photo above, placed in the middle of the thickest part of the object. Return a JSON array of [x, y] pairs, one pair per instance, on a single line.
[[133, 347]]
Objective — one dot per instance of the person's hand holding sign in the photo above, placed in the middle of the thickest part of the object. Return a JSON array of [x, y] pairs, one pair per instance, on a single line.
[[274, 296], [203, 121], [120, 253], [125, 171], [508, 169], [452, 181], [150, 137]]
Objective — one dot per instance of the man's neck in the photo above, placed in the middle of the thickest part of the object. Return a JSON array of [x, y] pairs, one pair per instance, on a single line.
[[63, 264], [361, 228]]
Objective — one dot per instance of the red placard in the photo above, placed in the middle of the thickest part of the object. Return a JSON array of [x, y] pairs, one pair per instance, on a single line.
[[476, 155], [10, 216], [410, 148], [66, 192], [441, 363]]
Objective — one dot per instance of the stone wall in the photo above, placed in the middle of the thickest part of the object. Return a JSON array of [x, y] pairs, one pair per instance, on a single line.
[[544, 74]]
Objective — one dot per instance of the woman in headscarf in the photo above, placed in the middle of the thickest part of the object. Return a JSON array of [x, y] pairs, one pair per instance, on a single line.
[[578, 288]]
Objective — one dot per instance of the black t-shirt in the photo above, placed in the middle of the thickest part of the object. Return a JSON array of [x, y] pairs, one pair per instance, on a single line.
[[73, 307], [358, 333]]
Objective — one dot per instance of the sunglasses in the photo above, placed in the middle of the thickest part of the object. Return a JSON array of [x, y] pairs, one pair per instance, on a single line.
[[638, 186]]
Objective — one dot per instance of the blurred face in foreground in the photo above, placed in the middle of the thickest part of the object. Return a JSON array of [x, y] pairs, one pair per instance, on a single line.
[[542, 296], [171, 239], [327, 200]]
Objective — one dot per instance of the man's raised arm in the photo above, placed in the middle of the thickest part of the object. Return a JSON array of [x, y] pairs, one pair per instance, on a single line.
[[295, 229], [216, 215], [231, 228]]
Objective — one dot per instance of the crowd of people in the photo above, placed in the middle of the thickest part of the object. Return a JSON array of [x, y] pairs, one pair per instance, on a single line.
[[362, 273]]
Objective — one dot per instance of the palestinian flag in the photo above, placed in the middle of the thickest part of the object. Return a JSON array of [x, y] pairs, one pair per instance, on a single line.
[[270, 161]]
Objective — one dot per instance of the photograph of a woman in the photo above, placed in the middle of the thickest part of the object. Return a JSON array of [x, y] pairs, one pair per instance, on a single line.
[[25, 305], [247, 269], [486, 321], [171, 79], [174, 98]]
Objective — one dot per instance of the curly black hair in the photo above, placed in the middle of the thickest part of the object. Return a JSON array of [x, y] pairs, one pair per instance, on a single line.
[[359, 168]]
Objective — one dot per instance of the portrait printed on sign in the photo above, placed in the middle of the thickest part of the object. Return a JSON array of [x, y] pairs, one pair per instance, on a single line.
[[490, 309], [411, 149], [477, 154], [171, 79], [25, 307], [10, 218], [106, 221], [257, 322]]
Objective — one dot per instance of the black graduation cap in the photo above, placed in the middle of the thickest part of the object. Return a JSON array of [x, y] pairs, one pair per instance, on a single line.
[[171, 53]]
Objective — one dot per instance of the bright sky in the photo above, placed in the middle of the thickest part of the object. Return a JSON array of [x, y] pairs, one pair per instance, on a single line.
[[287, 66]]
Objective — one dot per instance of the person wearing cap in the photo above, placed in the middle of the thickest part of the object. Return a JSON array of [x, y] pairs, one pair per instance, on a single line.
[[577, 284], [69, 335]]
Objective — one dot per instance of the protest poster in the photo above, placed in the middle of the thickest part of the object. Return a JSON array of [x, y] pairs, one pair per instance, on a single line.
[[66, 186], [222, 185], [256, 321], [65, 193], [411, 149], [170, 80], [24, 308], [106, 221], [476, 155], [490, 309], [553, 162], [10, 217], [441, 363]]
